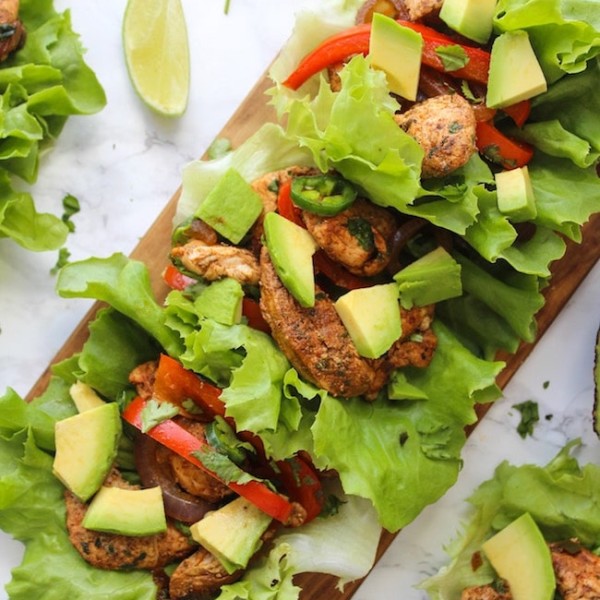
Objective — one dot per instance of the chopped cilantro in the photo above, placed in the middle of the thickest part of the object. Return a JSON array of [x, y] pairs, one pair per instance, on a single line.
[[155, 412], [529, 417], [63, 259], [453, 57], [545, 385], [363, 232], [70, 207]]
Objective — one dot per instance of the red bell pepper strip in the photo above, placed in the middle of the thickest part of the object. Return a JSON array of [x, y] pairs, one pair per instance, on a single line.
[[251, 310], [174, 383], [303, 485], [175, 279], [179, 440], [501, 149], [518, 112], [356, 40], [331, 51], [286, 207], [477, 66], [337, 274]]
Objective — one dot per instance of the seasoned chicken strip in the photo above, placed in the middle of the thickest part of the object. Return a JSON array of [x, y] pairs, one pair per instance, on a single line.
[[120, 552], [217, 262], [199, 576], [484, 592], [12, 32], [314, 339], [444, 126], [358, 238], [577, 572]]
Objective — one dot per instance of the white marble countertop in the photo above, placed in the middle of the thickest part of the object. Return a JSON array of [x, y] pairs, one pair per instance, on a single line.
[[124, 164]]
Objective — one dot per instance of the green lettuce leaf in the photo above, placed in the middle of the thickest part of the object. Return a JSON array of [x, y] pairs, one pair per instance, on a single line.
[[561, 497], [41, 85]]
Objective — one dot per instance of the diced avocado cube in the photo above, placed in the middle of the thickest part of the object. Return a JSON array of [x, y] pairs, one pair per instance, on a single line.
[[522, 544], [221, 301], [231, 207], [515, 73], [396, 50], [372, 317], [84, 396], [516, 198], [471, 18], [432, 278], [291, 248], [232, 533], [86, 447], [126, 511]]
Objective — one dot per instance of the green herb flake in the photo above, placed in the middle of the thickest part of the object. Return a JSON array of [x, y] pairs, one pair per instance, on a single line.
[[154, 413], [468, 93], [453, 57], [529, 417], [63, 259], [363, 232], [546, 384], [70, 207]]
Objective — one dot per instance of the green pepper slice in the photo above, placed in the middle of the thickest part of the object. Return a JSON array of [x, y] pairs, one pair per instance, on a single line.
[[323, 195]]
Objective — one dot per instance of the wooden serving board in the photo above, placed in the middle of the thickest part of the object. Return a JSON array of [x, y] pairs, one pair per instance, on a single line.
[[154, 247]]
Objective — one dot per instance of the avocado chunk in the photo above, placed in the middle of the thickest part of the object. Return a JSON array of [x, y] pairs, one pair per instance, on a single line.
[[471, 18], [86, 447], [231, 207], [291, 248], [126, 511], [515, 73], [433, 277], [520, 555], [232, 533], [221, 301], [396, 50], [84, 396], [516, 198], [372, 317]]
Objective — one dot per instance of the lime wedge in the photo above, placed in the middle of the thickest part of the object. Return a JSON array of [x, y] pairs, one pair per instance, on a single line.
[[157, 55]]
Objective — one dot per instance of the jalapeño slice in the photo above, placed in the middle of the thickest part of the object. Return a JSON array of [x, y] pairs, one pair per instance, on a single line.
[[324, 195]]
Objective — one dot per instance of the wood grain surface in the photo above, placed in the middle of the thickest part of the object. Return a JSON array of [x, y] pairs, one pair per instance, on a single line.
[[154, 247]]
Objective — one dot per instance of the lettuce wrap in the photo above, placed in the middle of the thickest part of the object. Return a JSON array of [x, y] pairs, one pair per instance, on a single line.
[[41, 85], [560, 497]]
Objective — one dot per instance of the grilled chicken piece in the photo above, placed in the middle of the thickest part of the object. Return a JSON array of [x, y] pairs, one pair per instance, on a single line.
[[199, 576], [358, 238], [319, 347], [119, 552], [12, 32], [142, 377], [577, 573], [314, 339], [420, 9], [417, 345], [484, 592], [191, 478], [218, 261], [444, 126]]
